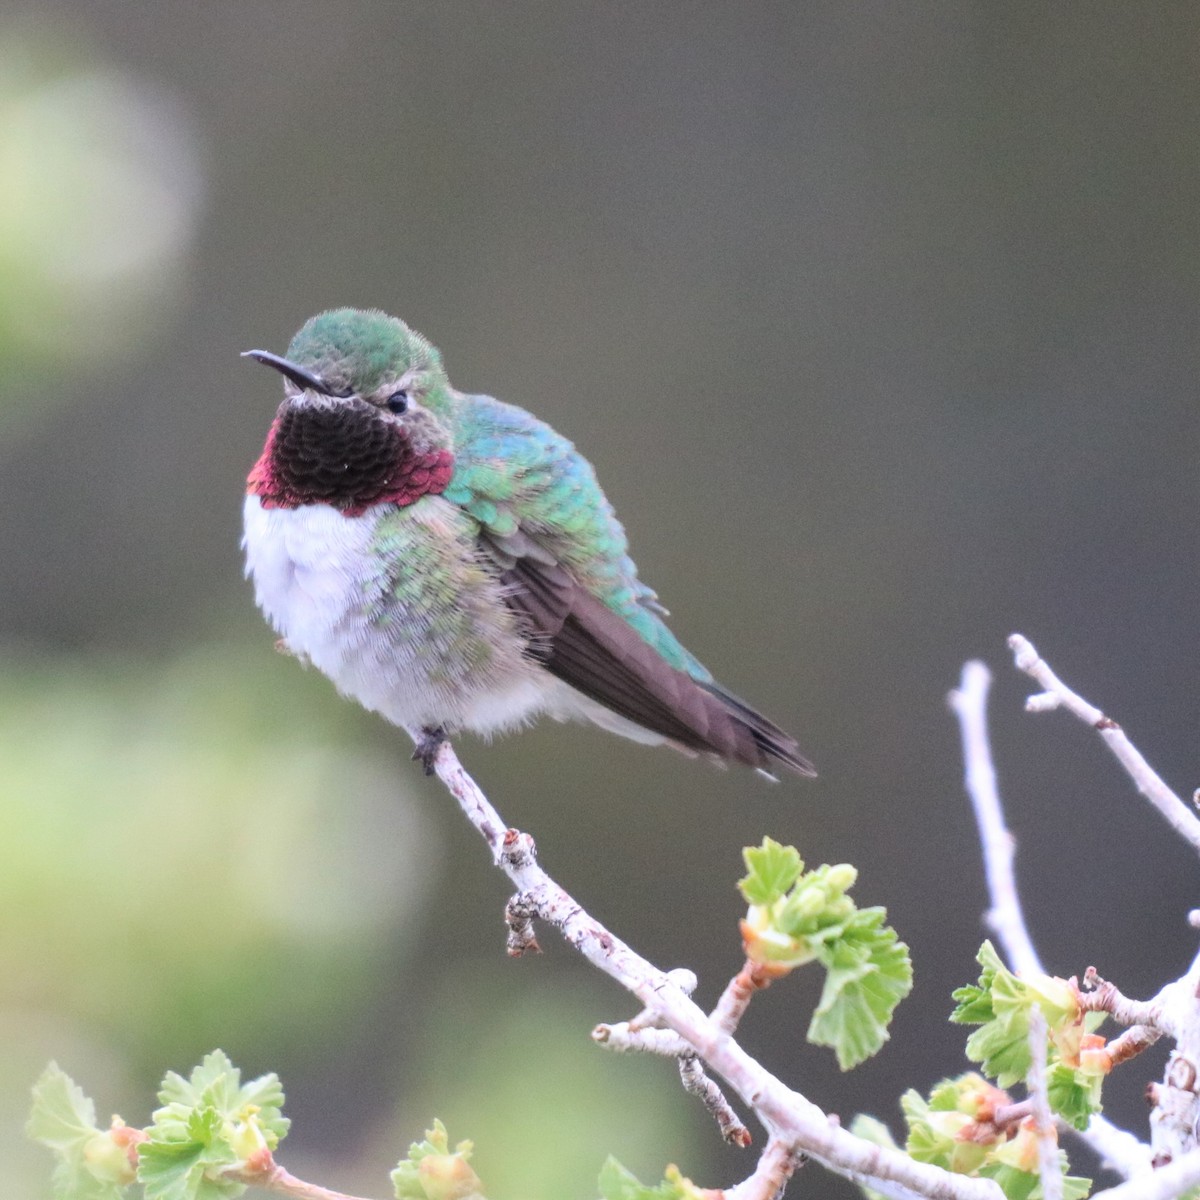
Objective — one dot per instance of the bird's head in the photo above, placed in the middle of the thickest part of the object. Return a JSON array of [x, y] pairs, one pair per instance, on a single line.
[[365, 417]]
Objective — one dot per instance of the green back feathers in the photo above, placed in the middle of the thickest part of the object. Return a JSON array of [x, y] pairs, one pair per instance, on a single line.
[[513, 472]]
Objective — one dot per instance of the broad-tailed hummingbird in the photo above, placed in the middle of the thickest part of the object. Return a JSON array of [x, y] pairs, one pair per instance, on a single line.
[[450, 561]]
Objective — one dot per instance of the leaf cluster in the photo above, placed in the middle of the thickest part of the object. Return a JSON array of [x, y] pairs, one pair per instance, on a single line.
[[1002, 1003], [89, 1162], [209, 1124], [210, 1127], [797, 917], [953, 1129], [212, 1131], [616, 1183], [433, 1172]]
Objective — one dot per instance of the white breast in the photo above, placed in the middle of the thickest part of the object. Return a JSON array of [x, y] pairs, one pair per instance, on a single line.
[[307, 565], [313, 570]]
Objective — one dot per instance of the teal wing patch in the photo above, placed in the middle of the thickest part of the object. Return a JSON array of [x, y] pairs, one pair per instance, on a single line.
[[526, 484]]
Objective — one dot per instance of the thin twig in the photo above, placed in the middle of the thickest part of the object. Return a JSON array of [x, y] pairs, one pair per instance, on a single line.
[[1180, 817], [622, 1038], [788, 1115], [1116, 1147], [1130, 1044], [275, 1179], [1005, 917], [774, 1169], [695, 1081], [1043, 1122], [736, 997], [1098, 995], [1163, 1184]]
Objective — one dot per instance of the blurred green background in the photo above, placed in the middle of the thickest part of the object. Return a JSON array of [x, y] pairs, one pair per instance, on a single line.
[[879, 322]]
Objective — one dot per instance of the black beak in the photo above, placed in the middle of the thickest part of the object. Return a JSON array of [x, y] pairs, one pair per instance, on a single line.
[[298, 375]]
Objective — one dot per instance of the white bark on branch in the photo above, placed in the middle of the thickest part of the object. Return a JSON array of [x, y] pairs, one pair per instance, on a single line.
[[1043, 1121], [1005, 917], [1181, 818], [1163, 1184], [792, 1120], [1118, 1149]]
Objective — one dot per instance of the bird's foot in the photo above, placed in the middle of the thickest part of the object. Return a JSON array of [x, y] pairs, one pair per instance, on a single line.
[[428, 747]]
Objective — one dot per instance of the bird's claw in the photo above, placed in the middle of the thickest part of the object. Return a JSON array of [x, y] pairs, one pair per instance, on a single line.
[[427, 748]]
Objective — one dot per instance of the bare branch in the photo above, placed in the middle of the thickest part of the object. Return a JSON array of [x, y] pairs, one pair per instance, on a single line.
[[1180, 817], [736, 997], [788, 1116], [1039, 1099], [623, 1038], [273, 1178], [694, 1080], [1162, 1184], [1098, 995], [1005, 917], [774, 1169], [1117, 1148]]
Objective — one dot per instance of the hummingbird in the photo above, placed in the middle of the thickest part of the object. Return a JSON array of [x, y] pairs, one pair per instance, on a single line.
[[450, 561]]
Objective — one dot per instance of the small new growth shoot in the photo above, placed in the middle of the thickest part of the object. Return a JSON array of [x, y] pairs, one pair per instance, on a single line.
[[616, 1183], [90, 1163], [1001, 1004], [972, 1128], [210, 1132], [433, 1172], [797, 917]]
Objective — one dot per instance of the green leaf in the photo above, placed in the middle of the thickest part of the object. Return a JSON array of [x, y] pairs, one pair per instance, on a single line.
[[1014, 1183], [1073, 1094], [432, 1172], [933, 1134], [63, 1118], [1001, 1004], [868, 973], [773, 869], [616, 1183], [208, 1124], [975, 1000], [798, 916], [1027, 1185], [89, 1165], [216, 1084], [180, 1171], [1076, 1187], [1001, 1047]]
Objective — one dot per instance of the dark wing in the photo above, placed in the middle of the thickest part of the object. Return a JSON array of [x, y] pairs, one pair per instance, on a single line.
[[588, 646], [562, 553]]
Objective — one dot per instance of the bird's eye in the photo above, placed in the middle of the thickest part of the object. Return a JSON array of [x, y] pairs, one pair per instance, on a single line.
[[397, 402]]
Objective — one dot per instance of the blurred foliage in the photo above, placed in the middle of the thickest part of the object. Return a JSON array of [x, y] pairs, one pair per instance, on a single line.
[[183, 860], [211, 1126], [543, 1105], [100, 204], [185, 855]]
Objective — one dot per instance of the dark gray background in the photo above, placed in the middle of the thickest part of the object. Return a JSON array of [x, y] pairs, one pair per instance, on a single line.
[[878, 322]]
